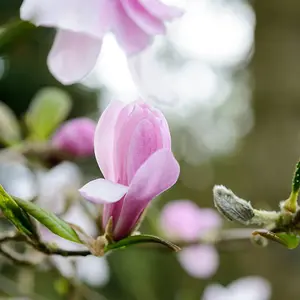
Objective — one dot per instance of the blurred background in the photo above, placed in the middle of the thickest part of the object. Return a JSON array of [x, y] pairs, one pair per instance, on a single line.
[[227, 79]]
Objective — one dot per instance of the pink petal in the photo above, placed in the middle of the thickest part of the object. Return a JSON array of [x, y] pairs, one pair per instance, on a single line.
[[156, 175], [210, 219], [105, 137], [161, 10], [93, 17], [103, 191], [183, 220], [143, 144], [133, 139], [200, 261], [142, 18], [130, 36], [73, 56]]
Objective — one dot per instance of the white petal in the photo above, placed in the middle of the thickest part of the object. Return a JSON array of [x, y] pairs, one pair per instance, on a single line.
[[92, 17], [93, 270], [18, 180], [73, 55], [216, 292], [250, 288], [103, 191], [56, 184], [64, 265]]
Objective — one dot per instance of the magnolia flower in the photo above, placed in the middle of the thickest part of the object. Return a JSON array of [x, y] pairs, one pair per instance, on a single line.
[[76, 137], [91, 269], [57, 187], [18, 180], [133, 151], [183, 220], [81, 26], [247, 288]]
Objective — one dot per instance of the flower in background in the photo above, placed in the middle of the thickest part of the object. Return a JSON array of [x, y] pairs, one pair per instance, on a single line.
[[18, 180], [76, 137], [58, 191], [90, 269], [246, 288], [81, 26], [183, 220], [133, 151]]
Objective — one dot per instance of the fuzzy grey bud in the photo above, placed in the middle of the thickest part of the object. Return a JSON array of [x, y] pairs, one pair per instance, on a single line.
[[231, 206]]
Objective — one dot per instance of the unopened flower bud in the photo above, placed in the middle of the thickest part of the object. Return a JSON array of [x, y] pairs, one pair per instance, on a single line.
[[231, 206], [76, 137]]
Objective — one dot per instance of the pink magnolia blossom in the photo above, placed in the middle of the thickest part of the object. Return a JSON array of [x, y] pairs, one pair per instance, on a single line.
[[81, 26], [133, 151], [199, 261], [76, 137], [183, 220]]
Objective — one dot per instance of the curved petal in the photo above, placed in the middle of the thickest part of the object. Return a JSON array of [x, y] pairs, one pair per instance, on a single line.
[[140, 131], [158, 173], [161, 10], [143, 18], [105, 138], [103, 191], [130, 36], [72, 56], [143, 143], [93, 17]]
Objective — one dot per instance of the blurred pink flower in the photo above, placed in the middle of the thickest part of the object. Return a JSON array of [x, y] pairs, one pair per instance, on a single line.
[[76, 137], [82, 24], [200, 261], [185, 221], [246, 288], [58, 189], [91, 269], [133, 151]]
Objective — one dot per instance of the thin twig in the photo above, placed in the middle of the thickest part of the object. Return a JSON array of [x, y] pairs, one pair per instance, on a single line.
[[224, 236], [50, 250]]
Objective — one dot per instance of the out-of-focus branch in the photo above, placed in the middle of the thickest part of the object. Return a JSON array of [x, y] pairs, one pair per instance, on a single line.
[[42, 150], [221, 237], [44, 248], [50, 250], [16, 257]]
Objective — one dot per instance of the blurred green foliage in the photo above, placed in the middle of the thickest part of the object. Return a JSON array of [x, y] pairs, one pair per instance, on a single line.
[[259, 169]]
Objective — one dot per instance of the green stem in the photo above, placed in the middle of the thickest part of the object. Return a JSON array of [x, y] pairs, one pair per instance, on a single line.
[[291, 203]]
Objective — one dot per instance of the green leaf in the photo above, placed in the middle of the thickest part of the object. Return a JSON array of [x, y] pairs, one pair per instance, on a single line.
[[47, 110], [16, 214], [10, 132], [289, 240], [49, 220], [141, 239]]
